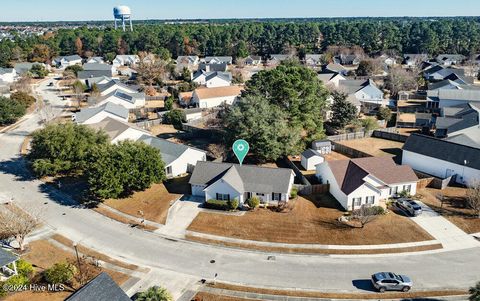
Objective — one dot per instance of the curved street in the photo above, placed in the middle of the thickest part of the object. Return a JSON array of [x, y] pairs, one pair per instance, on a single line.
[[436, 271]]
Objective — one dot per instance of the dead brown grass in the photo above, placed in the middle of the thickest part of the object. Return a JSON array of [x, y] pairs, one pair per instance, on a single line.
[[122, 219], [163, 129], [313, 251], [333, 156], [308, 223], [309, 294], [43, 254], [202, 296], [454, 207], [375, 146], [153, 202], [89, 252]]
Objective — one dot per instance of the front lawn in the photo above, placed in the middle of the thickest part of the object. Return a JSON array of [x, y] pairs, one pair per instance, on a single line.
[[153, 203], [309, 224], [454, 207]]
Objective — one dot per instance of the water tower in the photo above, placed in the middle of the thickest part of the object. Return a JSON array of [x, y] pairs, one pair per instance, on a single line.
[[123, 14]]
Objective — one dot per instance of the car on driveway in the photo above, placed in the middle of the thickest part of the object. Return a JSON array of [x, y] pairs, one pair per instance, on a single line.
[[412, 207], [388, 281]]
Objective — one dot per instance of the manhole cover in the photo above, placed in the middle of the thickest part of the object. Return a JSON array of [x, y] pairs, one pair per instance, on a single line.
[[212, 261]]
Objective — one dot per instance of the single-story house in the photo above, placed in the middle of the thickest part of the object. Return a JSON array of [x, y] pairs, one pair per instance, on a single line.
[[331, 78], [99, 67], [178, 158], [87, 74], [324, 147], [126, 60], [130, 101], [366, 181], [118, 130], [347, 59], [101, 80], [276, 59], [211, 67], [313, 59], [97, 114], [335, 68], [63, 62], [218, 59], [442, 158], [450, 59], [226, 181], [364, 91], [24, 67], [7, 259], [95, 60], [414, 59], [442, 98], [212, 79], [189, 60], [253, 60], [100, 288], [7, 75], [310, 158], [456, 120], [113, 85], [439, 73], [206, 98]]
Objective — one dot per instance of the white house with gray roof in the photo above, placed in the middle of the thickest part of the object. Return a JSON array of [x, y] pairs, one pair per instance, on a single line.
[[179, 158], [7, 75], [126, 60], [100, 288], [442, 98], [130, 101], [113, 85], [63, 62], [212, 79], [218, 59], [118, 130], [97, 114], [8, 265], [227, 181]]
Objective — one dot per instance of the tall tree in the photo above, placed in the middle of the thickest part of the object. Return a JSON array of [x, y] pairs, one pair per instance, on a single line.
[[343, 112]]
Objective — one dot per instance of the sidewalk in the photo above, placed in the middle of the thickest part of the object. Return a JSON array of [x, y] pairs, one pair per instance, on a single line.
[[449, 235]]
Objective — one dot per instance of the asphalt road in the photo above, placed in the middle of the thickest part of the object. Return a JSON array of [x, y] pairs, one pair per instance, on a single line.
[[456, 269]]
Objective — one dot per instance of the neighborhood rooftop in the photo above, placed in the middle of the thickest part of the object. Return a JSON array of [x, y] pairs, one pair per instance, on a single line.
[[101, 287], [170, 150], [109, 107], [243, 177], [6, 257], [206, 93]]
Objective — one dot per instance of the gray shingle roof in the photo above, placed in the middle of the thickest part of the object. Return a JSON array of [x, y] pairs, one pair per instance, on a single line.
[[170, 151], [112, 83], [223, 59], [460, 95], [310, 153], [252, 178], [101, 288], [443, 150], [465, 139], [321, 143], [114, 127], [96, 66], [6, 257], [94, 73], [109, 107]]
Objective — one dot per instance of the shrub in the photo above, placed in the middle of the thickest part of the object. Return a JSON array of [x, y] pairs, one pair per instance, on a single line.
[[377, 210], [17, 280], [404, 194], [10, 111], [216, 204], [24, 98], [155, 293], [232, 204], [253, 202], [294, 193], [24, 268], [60, 273]]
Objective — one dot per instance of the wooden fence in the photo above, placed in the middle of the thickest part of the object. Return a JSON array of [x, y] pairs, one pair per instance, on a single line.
[[426, 180], [380, 133], [390, 136]]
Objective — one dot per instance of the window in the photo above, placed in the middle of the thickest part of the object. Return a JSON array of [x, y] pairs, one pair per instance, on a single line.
[[407, 188], [393, 190], [169, 170], [370, 199], [357, 202], [276, 196], [223, 197]]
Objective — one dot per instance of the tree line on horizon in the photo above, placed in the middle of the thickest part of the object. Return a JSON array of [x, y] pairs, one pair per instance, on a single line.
[[240, 39]]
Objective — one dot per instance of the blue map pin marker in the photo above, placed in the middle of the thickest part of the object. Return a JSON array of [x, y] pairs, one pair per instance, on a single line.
[[241, 148]]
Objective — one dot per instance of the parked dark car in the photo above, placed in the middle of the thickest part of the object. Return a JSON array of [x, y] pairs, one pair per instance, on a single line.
[[412, 207], [388, 281]]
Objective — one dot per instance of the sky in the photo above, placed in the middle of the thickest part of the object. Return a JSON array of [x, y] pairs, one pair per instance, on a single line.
[[68, 10]]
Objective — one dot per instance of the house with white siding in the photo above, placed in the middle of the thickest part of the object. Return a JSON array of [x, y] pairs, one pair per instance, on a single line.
[[218, 60], [97, 114], [227, 181], [443, 158], [310, 159], [118, 130], [178, 158], [206, 98], [125, 60], [63, 62], [7, 75], [366, 181], [212, 79], [114, 85], [130, 101]]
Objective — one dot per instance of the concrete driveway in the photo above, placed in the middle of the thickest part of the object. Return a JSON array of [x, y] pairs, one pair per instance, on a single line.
[[180, 216]]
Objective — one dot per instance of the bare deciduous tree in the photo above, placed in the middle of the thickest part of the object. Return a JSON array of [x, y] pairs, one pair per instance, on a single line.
[[217, 150], [365, 215], [151, 70], [473, 197], [16, 223]]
